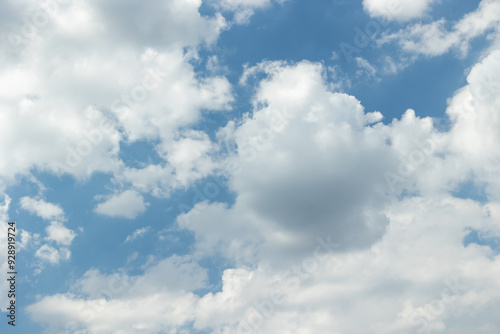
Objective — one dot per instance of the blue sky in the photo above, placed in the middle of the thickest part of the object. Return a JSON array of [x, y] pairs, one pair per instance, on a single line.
[[170, 165]]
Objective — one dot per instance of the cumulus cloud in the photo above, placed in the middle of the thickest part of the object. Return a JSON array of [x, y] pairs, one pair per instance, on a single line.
[[398, 10], [42, 208], [411, 260], [56, 232], [75, 119], [128, 204], [404, 272], [474, 136], [160, 300], [59, 233], [297, 121], [340, 223]]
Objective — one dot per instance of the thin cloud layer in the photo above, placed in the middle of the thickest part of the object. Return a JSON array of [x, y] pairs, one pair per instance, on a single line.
[[435, 38]]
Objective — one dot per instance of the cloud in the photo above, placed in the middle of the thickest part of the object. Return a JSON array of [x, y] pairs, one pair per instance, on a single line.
[[128, 204], [365, 68], [404, 253], [326, 161], [157, 24], [50, 254], [404, 272], [308, 163], [398, 10], [42, 208], [161, 300], [243, 9], [75, 120], [474, 136], [137, 234], [434, 39], [191, 156], [57, 232]]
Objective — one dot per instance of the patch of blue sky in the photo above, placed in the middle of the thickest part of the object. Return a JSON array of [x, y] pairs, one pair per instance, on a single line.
[[301, 30], [471, 190], [482, 238], [453, 10], [215, 266], [416, 87]]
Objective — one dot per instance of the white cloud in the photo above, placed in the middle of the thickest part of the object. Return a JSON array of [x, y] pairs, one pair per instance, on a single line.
[[42, 208], [25, 239], [243, 9], [137, 234], [433, 39], [74, 120], [52, 255], [399, 10], [474, 137], [244, 3], [156, 179], [311, 143], [407, 249], [191, 156], [128, 204], [310, 163], [161, 300], [57, 232], [418, 265]]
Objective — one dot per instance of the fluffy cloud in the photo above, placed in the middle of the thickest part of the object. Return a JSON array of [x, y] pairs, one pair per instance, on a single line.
[[161, 300], [399, 10], [416, 267], [75, 118], [56, 232], [59, 233], [128, 204], [404, 272], [326, 163], [42, 208], [474, 136], [76, 106], [341, 224]]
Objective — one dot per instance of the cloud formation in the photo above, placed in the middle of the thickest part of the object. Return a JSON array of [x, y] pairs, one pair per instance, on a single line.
[[341, 222], [398, 10], [128, 204]]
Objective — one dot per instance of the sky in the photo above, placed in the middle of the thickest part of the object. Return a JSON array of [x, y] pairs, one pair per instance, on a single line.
[[251, 166]]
